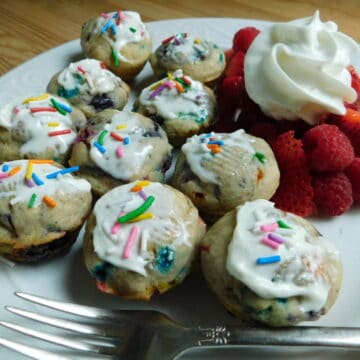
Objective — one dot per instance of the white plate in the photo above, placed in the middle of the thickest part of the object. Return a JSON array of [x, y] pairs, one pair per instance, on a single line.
[[66, 278]]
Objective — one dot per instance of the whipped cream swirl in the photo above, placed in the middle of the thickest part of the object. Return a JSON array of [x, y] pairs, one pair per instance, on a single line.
[[298, 70]]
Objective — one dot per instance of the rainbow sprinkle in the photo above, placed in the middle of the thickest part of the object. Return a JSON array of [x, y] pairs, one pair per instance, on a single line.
[[102, 136], [55, 174], [29, 170], [276, 238], [99, 147], [115, 58], [49, 201], [14, 171], [116, 136], [60, 132], [5, 168], [261, 157], [57, 107], [273, 244], [282, 224], [130, 241], [37, 180], [37, 98], [32, 201], [268, 260], [126, 141], [141, 217], [119, 152], [269, 227], [140, 210]]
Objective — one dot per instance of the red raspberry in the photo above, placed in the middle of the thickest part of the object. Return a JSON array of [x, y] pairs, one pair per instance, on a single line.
[[332, 193], [230, 95], [244, 37], [353, 173], [327, 148], [235, 66], [349, 124], [266, 130], [295, 193]]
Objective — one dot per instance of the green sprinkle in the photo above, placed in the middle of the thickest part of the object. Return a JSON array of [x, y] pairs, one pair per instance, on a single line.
[[115, 58], [283, 224], [135, 213], [79, 78], [57, 107], [133, 30], [32, 201], [182, 82], [221, 57], [261, 157], [102, 136]]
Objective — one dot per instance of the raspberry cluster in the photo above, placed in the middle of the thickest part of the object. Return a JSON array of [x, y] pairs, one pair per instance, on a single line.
[[320, 165]]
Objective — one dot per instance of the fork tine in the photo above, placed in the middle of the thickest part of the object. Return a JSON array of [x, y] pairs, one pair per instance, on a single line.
[[60, 323], [59, 340], [30, 351], [81, 310]]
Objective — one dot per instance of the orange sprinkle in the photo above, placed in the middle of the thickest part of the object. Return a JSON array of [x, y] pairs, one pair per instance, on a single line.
[[49, 201], [136, 188], [179, 88], [14, 170], [215, 148], [40, 161]]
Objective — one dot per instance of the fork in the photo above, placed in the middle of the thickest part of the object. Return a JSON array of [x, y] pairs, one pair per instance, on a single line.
[[149, 334]]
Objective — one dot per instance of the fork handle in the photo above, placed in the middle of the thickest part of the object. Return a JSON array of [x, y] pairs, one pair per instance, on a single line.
[[295, 336]]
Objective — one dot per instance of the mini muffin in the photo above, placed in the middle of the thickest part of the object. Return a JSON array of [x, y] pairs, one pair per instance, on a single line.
[[42, 207], [201, 59], [269, 266], [118, 147], [220, 171], [89, 86], [141, 238], [42, 127], [181, 105], [119, 39]]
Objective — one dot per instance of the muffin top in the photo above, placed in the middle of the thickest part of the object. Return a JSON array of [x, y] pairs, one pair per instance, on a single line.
[[178, 97], [88, 76], [40, 123], [35, 181], [183, 48], [280, 255], [123, 146], [120, 28], [134, 218]]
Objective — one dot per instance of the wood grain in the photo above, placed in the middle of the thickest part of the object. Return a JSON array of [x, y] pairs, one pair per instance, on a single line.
[[28, 27]]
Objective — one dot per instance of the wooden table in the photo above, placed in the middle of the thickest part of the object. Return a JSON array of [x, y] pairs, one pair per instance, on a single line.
[[29, 27]]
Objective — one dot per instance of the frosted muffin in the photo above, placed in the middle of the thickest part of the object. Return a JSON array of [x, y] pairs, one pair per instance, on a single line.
[[41, 127], [220, 171], [42, 207], [119, 39], [269, 266], [181, 105], [118, 147], [201, 59], [89, 86], [141, 238]]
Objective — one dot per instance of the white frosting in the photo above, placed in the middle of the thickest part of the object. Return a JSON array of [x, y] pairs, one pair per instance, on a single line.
[[16, 187], [299, 273], [298, 70], [193, 103], [134, 154], [130, 29], [184, 48], [197, 152], [88, 76], [163, 229], [35, 125]]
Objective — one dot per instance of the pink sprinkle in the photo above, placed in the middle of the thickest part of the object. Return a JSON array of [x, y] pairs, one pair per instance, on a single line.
[[269, 242], [169, 84], [142, 194], [4, 176], [130, 242], [116, 227], [105, 16], [16, 110], [119, 152], [276, 238], [270, 227], [81, 69]]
